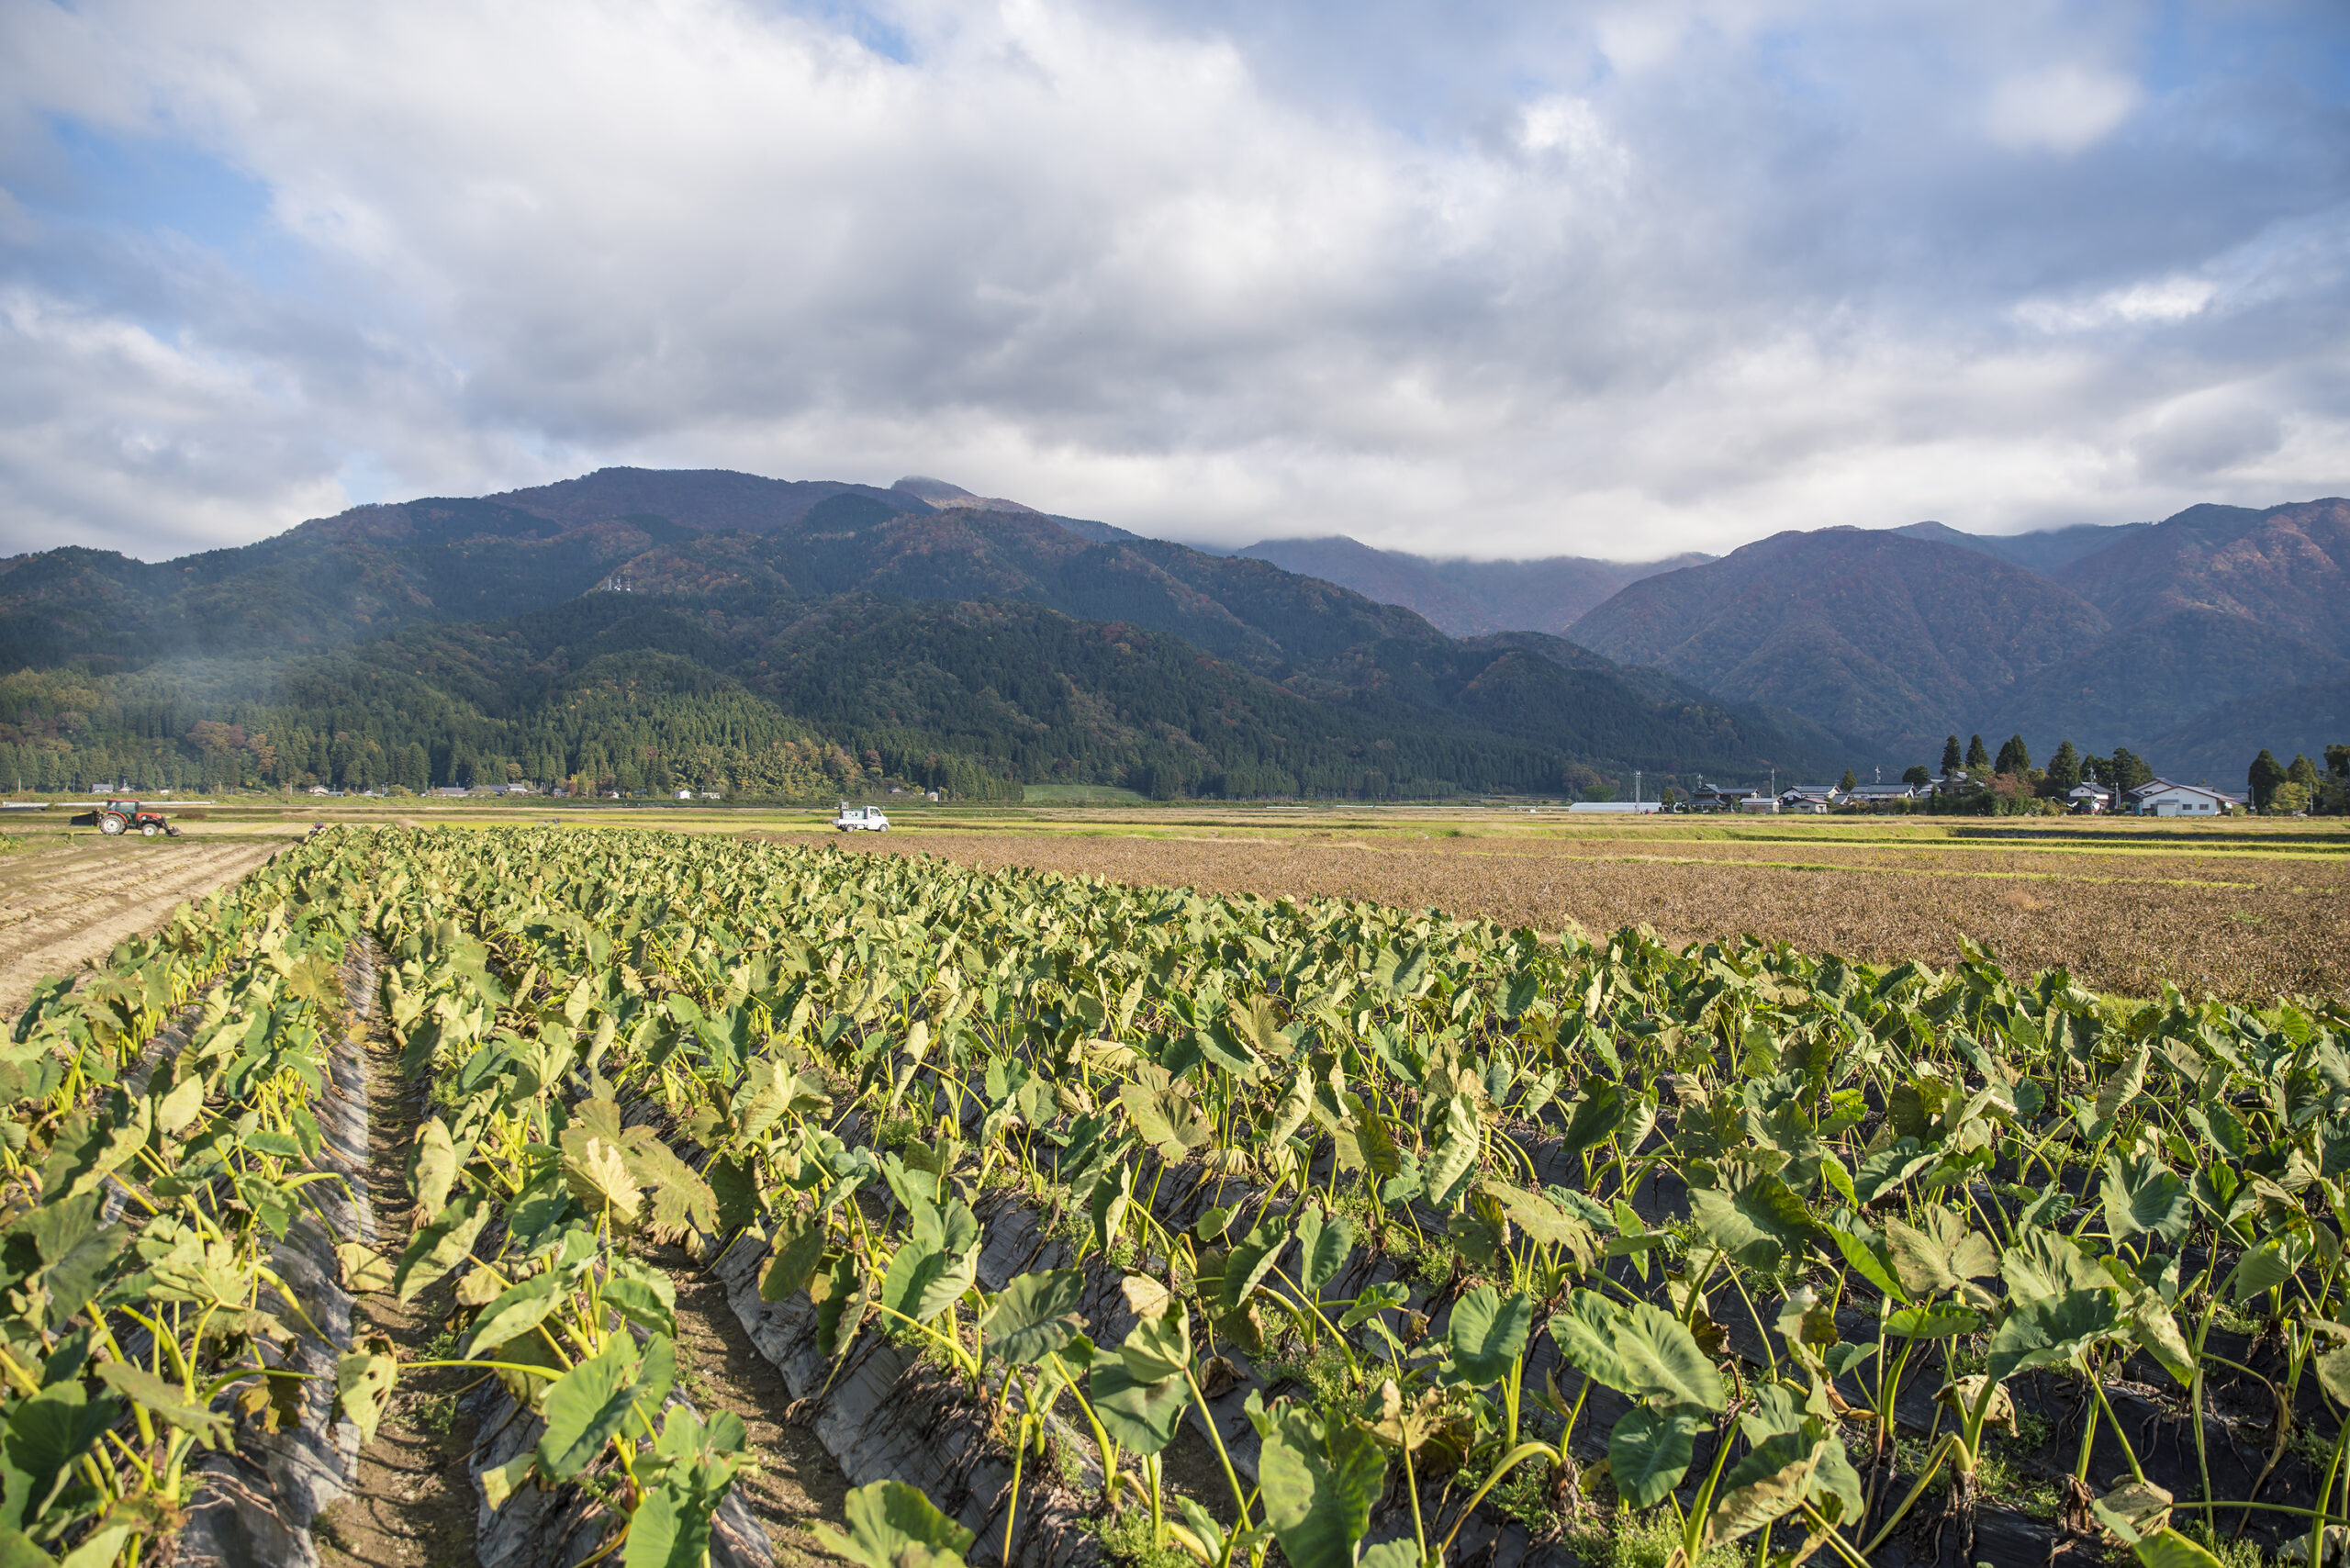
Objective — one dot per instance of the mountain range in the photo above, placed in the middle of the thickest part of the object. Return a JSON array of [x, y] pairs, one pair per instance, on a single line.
[[2196, 641], [636, 613], [635, 616]]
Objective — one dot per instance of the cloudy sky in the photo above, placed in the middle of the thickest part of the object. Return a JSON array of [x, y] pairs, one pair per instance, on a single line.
[[1471, 278]]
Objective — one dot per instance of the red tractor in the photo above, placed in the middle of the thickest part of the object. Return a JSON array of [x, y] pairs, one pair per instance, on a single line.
[[117, 817]]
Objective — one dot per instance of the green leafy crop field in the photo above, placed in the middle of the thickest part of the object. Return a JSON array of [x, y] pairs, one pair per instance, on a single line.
[[1083, 1217]]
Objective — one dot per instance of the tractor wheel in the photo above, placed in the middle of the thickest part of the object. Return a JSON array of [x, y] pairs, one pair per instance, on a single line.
[[149, 830], [171, 833], [111, 823]]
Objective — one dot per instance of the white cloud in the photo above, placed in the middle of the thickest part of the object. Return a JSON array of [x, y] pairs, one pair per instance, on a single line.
[[2062, 108], [2157, 300], [1645, 279]]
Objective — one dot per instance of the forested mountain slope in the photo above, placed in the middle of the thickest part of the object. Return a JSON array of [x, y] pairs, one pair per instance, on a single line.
[[2165, 631], [1868, 631], [446, 639]]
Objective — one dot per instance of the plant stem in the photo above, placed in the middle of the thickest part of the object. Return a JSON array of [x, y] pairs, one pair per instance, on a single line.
[[1231, 1476]]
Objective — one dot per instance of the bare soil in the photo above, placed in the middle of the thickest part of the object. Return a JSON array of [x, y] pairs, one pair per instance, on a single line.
[[413, 1504], [2248, 926], [69, 899], [797, 1483]]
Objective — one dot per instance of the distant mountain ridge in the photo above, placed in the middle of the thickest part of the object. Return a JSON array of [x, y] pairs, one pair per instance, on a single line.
[[451, 586], [2046, 551], [1871, 632], [2195, 641], [1465, 598], [2156, 636]]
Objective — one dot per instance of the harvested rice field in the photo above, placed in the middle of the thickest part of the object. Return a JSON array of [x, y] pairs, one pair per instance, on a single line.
[[2245, 913]]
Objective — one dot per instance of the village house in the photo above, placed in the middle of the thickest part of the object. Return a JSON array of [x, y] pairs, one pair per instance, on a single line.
[[1880, 797], [1807, 800], [2090, 798], [2162, 798], [1712, 798]]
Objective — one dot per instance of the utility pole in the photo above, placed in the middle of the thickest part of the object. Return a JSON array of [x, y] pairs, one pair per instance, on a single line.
[[1636, 786]]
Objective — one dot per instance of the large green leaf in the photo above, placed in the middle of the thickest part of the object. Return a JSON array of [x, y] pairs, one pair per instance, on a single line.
[[1597, 1118], [1487, 1333], [799, 1250], [1641, 1351], [80, 1253], [1891, 1167], [48, 1432], [2045, 1263], [1320, 1474], [1770, 1481], [924, 1281], [2144, 1197], [436, 1168], [2269, 1265], [1938, 1254], [160, 1396], [2052, 1330], [1871, 1260], [590, 1404], [840, 1306], [670, 1528], [2165, 1548], [1157, 1347], [1107, 1204], [516, 1310], [1138, 1415], [1252, 1258], [1323, 1246], [1167, 1117], [1649, 1452], [87, 1146], [1455, 1159], [1034, 1316], [892, 1525], [438, 1247], [1757, 1226]]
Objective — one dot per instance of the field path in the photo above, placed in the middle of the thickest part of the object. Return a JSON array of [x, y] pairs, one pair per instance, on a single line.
[[61, 905]]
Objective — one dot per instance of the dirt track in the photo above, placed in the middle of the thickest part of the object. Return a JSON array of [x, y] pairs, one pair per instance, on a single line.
[[68, 901]]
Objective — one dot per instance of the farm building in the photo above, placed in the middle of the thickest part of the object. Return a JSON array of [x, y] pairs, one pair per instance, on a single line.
[[1880, 797], [2092, 799], [2161, 798], [1621, 808], [1712, 798], [1807, 800]]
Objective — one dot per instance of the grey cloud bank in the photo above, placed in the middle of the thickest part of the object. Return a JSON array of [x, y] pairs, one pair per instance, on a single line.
[[1616, 280]]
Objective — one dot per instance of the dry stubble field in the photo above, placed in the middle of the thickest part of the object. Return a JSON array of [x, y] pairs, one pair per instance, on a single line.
[[2247, 909], [2245, 913], [68, 897]]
